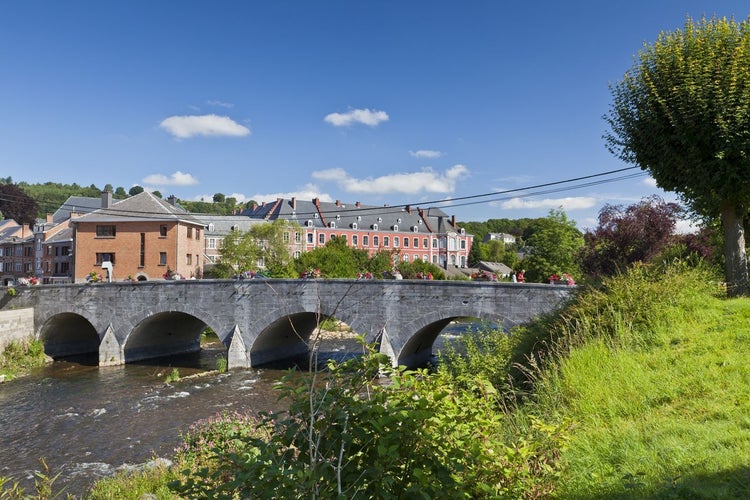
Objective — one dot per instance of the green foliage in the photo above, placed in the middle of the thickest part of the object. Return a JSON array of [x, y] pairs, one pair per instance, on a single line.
[[19, 357], [221, 364], [43, 485], [241, 252], [350, 435], [335, 260], [173, 376], [151, 482], [553, 248], [410, 270]]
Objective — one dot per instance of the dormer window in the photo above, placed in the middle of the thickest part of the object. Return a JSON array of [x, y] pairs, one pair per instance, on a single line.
[[380, 219], [338, 217], [420, 221], [309, 223], [315, 215], [359, 217], [332, 224], [375, 227], [211, 227], [398, 220], [415, 229], [463, 231], [395, 226], [354, 225]]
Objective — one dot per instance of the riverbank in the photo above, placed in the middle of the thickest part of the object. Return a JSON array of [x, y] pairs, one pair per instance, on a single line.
[[18, 358]]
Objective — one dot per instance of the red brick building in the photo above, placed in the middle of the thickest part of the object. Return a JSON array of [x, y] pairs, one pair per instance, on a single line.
[[143, 238]]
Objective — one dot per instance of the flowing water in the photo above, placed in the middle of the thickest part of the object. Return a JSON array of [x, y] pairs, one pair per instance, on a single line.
[[88, 422]]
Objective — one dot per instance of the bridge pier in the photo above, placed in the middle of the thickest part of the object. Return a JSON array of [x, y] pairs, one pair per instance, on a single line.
[[111, 352]]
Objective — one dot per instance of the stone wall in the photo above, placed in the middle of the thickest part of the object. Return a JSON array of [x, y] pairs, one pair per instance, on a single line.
[[16, 324]]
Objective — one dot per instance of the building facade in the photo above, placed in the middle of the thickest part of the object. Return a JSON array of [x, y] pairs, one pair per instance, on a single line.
[[411, 233], [142, 238]]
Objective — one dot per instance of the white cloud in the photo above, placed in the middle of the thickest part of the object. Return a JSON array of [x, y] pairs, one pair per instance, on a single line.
[[306, 192], [373, 118], [650, 181], [410, 183], [220, 104], [176, 179], [426, 153], [570, 203], [184, 127]]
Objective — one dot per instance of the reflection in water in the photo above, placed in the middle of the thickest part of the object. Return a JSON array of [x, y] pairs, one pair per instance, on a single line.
[[87, 422]]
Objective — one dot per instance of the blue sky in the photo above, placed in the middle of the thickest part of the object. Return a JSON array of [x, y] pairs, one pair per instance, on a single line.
[[382, 102]]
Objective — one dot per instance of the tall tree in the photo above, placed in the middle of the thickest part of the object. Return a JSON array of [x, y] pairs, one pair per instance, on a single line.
[[553, 248], [135, 190], [16, 204], [682, 112]]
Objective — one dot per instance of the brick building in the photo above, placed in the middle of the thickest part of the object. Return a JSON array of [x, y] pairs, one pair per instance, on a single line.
[[143, 237]]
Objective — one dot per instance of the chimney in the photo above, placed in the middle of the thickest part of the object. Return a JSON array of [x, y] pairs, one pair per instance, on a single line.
[[106, 199], [254, 206], [316, 202], [453, 220], [49, 219], [358, 205], [294, 203], [408, 209], [171, 199], [338, 203]]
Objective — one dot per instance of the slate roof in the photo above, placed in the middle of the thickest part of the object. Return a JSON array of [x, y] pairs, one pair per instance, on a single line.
[[321, 214], [140, 207], [223, 224], [63, 235], [9, 228], [80, 204]]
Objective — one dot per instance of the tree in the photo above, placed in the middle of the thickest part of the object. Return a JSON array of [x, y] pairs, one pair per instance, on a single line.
[[335, 260], [219, 198], [553, 248], [262, 243], [626, 235], [16, 204], [682, 112], [135, 190], [120, 192], [157, 193]]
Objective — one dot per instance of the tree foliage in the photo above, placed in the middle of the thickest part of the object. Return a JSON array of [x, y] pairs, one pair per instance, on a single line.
[[262, 243], [682, 112], [335, 260], [16, 204], [553, 248], [626, 235]]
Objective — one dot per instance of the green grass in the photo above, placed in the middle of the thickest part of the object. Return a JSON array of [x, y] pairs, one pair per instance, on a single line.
[[664, 413], [18, 358]]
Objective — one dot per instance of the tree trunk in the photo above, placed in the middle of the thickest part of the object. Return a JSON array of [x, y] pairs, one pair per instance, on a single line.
[[735, 267]]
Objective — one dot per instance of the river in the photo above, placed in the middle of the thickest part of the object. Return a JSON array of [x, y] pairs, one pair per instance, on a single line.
[[88, 422]]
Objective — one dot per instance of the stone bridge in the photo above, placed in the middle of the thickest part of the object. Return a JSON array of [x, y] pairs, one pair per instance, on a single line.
[[261, 321]]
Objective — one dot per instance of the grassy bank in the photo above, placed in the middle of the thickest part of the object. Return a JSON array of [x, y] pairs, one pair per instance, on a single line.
[[19, 358]]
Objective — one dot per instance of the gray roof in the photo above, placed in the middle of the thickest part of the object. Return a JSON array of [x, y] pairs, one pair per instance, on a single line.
[[140, 207], [80, 204], [9, 228], [224, 224], [320, 214], [63, 235]]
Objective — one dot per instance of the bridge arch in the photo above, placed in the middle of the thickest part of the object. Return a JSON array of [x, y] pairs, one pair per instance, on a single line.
[[163, 334], [68, 334]]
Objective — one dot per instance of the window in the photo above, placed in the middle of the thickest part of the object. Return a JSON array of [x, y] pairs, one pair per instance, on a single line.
[[105, 231], [396, 241], [424, 258], [424, 243], [375, 241], [354, 225], [285, 237], [434, 242], [321, 238], [406, 242], [143, 250], [162, 258], [163, 231], [297, 254], [355, 240], [189, 232], [309, 223], [386, 241], [395, 227], [212, 243], [463, 244], [297, 237], [189, 259], [366, 241], [211, 227], [310, 237], [261, 262], [197, 233], [332, 224], [375, 227], [415, 229], [406, 258], [104, 257]]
